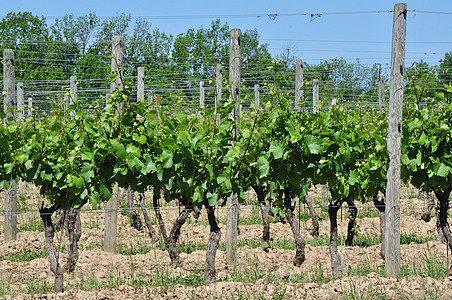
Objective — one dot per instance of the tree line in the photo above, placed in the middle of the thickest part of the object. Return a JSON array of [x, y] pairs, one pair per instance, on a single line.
[[79, 45]]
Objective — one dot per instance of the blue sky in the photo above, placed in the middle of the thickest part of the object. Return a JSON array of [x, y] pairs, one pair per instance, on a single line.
[[363, 36]]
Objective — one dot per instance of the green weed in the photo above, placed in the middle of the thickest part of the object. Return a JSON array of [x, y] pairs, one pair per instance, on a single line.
[[366, 240], [30, 223], [355, 291], [414, 238], [139, 248], [24, 254], [38, 287]]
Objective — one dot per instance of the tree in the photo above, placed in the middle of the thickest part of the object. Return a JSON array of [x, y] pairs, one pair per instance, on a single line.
[[422, 82], [445, 68], [28, 36]]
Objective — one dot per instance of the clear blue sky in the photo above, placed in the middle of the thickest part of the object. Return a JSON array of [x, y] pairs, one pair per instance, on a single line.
[[363, 36]]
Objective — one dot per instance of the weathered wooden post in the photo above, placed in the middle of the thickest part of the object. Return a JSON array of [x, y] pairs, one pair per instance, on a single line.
[[392, 224], [218, 90], [315, 95], [140, 84], [232, 203], [30, 107], [149, 97], [111, 207], [9, 88], [298, 83], [20, 101], [20, 118], [202, 103], [73, 93], [256, 95]]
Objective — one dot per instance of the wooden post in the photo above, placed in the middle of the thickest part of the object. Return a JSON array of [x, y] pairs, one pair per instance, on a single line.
[[218, 86], [140, 84], [30, 107], [111, 220], [65, 102], [20, 118], [111, 207], [9, 86], [202, 103], [256, 95], [392, 228], [149, 97], [20, 101], [73, 93], [232, 203], [9, 89], [298, 83], [116, 61], [381, 93], [234, 71], [315, 96]]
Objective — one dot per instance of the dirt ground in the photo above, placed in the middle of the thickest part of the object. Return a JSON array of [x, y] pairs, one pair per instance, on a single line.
[[146, 272]]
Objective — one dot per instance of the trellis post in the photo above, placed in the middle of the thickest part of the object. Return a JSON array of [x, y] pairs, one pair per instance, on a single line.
[[392, 212], [256, 95], [232, 203], [73, 93], [298, 83], [202, 103], [315, 96], [9, 89], [111, 207], [140, 84]]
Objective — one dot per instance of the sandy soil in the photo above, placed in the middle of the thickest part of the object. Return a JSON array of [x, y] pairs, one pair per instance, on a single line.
[[257, 274]]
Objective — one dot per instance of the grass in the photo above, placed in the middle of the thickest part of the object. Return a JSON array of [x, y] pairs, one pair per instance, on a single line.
[[254, 218], [139, 248], [33, 223], [5, 287], [38, 287], [366, 240], [24, 254], [429, 266], [162, 276], [354, 290], [414, 238], [314, 274], [186, 247], [93, 222], [323, 240]]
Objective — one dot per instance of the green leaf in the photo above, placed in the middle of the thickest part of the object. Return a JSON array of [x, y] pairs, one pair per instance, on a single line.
[[139, 138], [443, 170], [276, 149], [353, 177], [213, 198], [86, 172], [78, 181], [314, 144], [264, 167], [119, 149], [28, 164], [221, 178], [148, 167], [167, 158], [105, 192]]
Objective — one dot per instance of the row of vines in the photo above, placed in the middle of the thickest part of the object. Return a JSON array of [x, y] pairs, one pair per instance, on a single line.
[[77, 156]]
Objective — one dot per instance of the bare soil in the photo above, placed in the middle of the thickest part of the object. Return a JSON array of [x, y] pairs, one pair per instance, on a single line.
[[256, 275]]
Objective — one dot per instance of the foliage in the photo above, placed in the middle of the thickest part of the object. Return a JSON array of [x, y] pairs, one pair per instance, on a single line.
[[426, 160]]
